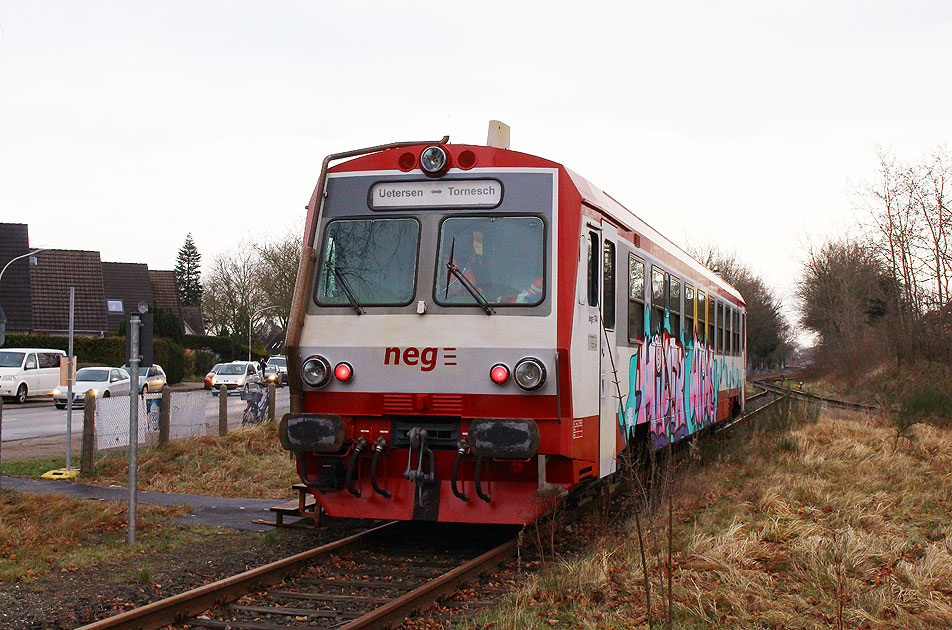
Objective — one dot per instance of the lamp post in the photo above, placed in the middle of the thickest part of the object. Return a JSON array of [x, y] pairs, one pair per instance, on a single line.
[[252, 316]]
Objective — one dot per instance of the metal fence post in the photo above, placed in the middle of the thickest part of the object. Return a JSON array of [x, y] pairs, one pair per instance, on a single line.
[[272, 393], [222, 410], [165, 416], [87, 458]]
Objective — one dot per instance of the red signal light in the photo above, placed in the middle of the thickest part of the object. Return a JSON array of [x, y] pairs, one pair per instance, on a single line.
[[407, 161], [343, 372], [499, 374]]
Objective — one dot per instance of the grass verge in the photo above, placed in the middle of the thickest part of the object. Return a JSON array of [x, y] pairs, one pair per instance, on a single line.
[[247, 462], [803, 524], [40, 534]]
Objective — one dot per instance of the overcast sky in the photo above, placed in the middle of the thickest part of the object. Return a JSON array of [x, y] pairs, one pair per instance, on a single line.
[[125, 125]]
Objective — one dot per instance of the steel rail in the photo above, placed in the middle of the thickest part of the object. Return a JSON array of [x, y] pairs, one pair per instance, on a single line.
[[177, 608], [831, 401], [402, 607], [749, 414]]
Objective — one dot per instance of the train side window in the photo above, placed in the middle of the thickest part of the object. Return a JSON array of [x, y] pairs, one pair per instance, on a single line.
[[593, 269], [720, 327], [735, 334], [608, 288], [657, 300], [636, 298], [729, 329], [701, 317], [674, 306], [743, 332], [689, 312]]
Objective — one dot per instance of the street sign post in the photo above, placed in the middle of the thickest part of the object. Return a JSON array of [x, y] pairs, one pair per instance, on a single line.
[[132, 335]]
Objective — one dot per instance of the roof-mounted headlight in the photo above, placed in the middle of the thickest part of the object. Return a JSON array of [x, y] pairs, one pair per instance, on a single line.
[[316, 371], [529, 374], [433, 161]]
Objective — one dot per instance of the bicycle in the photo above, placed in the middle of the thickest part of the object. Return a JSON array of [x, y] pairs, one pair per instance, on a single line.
[[256, 409]]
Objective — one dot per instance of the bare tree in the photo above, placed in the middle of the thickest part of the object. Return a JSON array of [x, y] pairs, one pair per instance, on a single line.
[[232, 292], [769, 335], [277, 272]]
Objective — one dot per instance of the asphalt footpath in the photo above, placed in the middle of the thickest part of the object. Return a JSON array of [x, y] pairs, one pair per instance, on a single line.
[[209, 511]]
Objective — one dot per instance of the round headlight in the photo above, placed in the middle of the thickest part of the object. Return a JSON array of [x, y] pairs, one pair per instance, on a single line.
[[433, 160], [529, 374], [316, 371]]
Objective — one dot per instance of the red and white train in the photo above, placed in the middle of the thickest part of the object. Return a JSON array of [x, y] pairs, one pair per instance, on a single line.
[[475, 327]]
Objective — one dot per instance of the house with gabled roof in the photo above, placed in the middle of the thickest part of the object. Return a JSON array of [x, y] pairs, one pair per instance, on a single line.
[[35, 299]]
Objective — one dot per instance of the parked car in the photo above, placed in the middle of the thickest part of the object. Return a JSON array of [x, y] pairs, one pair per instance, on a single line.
[[28, 372], [103, 381], [151, 379], [237, 375], [281, 363], [210, 377]]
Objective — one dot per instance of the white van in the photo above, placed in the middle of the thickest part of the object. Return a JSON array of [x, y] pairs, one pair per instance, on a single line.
[[29, 372]]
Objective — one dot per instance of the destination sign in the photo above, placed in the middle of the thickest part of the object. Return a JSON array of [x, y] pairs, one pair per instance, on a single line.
[[457, 193]]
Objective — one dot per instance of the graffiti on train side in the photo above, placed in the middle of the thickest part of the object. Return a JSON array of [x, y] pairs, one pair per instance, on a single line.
[[673, 385]]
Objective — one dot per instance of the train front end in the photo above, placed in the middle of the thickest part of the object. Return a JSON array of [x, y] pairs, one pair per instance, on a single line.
[[423, 352]]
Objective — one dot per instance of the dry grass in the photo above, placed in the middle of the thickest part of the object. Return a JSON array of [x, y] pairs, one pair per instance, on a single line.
[[248, 462], [832, 524], [40, 534]]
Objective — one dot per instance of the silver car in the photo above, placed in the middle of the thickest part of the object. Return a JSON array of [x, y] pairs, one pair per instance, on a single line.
[[103, 381], [151, 379]]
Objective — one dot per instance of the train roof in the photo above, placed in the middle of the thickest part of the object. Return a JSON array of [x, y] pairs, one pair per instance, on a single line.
[[591, 195], [597, 198]]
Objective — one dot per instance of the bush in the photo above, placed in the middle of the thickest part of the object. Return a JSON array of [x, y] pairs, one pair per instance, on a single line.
[[223, 347], [927, 403], [171, 357], [203, 362]]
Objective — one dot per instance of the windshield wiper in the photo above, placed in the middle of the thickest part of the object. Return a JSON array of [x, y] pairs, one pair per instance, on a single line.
[[351, 296], [469, 287]]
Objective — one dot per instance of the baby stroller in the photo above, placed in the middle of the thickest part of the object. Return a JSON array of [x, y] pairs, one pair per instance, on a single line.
[[256, 409]]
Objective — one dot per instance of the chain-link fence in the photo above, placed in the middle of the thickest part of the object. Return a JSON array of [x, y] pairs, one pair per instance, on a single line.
[[190, 414]]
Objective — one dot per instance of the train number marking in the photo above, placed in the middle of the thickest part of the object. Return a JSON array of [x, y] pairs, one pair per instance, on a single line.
[[426, 358], [576, 429]]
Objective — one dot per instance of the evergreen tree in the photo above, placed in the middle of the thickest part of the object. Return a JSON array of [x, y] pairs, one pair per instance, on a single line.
[[188, 274]]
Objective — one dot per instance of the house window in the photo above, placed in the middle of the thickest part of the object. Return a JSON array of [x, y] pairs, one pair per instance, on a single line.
[[114, 306]]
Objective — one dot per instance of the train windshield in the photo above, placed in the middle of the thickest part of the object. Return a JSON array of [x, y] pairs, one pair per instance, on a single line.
[[500, 258], [368, 262]]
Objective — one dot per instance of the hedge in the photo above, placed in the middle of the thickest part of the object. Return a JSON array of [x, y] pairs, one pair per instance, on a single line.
[[88, 350], [224, 347], [106, 351]]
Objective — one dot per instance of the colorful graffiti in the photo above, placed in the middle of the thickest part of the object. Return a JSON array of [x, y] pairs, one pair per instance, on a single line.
[[673, 385]]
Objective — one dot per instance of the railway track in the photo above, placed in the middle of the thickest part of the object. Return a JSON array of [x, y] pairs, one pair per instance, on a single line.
[[833, 402], [374, 579]]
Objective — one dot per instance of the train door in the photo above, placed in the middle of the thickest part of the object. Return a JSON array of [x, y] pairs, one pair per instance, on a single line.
[[609, 368], [586, 342]]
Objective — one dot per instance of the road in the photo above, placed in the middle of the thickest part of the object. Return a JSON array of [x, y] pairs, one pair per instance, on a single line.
[[31, 421]]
